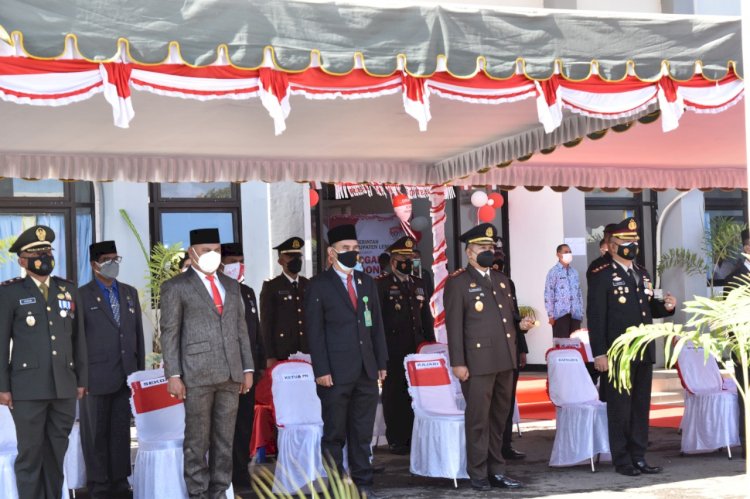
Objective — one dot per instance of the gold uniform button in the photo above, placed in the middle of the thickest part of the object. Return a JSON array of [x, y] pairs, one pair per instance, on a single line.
[[299, 322], [281, 335], [505, 320], [479, 345], [299, 310], [508, 335], [640, 301], [50, 323], [644, 314], [54, 352], [49, 309], [53, 337], [301, 333], [24, 364]]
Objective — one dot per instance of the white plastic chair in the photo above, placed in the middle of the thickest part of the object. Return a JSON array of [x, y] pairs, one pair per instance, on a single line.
[[300, 426], [582, 335], [442, 348], [582, 431], [438, 441], [711, 416]]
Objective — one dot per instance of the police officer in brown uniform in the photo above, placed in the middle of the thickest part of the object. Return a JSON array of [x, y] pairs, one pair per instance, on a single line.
[[482, 345], [47, 368], [407, 322], [281, 306]]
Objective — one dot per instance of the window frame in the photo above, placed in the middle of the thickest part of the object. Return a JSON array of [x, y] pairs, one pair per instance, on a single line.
[[65, 205]]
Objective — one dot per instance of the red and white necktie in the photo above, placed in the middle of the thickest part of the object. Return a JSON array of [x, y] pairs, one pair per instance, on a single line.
[[215, 292]]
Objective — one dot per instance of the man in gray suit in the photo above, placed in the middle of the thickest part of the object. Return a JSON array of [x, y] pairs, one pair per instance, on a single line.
[[46, 370], [208, 361], [112, 316]]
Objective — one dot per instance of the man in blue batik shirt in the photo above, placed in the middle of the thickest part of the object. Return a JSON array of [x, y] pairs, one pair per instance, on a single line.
[[562, 295]]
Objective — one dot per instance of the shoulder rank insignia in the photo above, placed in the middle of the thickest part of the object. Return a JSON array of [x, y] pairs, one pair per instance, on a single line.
[[11, 281], [457, 272]]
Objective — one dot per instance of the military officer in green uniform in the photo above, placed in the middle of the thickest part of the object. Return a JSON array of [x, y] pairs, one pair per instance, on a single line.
[[481, 329], [281, 311], [46, 371], [407, 322]]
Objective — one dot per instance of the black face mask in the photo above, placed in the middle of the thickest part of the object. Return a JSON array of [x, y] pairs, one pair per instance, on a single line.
[[40, 265], [294, 265], [486, 258], [348, 258], [405, 267], [627, 251]]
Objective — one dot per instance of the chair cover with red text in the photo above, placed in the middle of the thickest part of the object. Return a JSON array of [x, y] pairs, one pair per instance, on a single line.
[[582, 335], [710, 420], [581, 431], [442, 348], [438, 441], [300, 426]]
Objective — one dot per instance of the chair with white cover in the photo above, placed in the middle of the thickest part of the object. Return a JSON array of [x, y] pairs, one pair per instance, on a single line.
[[582, 431], [710, 420], [442, 348], [8, 452], [438, 441], [300, 426]]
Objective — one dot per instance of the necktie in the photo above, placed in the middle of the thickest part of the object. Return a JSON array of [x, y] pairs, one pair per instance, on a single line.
[[114, 304], [632, 275], [294, 286], [350, 289], [44, 289], [216, 294]]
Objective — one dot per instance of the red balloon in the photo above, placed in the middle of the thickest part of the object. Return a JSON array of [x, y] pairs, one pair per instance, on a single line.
[[314, 198], [497, 200], [486, 213]]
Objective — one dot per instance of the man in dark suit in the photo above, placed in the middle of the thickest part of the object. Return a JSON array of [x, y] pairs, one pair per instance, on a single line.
[[47, 369], [407, 321], [621, 295], [233, 265], [739, 277], [281, 306], [349, 355], [605, 258], [482, 344], [522, 324], [113, 323], [207, 360]]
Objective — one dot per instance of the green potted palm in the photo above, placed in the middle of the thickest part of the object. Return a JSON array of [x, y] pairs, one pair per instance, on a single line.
[[722, 241], [162, 263], [716, 325]]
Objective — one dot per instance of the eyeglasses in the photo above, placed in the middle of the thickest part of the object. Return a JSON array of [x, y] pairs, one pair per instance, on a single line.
[[116, 259]]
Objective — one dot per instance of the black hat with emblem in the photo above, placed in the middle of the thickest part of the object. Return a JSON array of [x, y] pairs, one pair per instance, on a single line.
[[627, 230], [291, 245], [404, 246], [345, 232], [204, 236], [101, 248], [481, 234], [231, 249], [36, 238]]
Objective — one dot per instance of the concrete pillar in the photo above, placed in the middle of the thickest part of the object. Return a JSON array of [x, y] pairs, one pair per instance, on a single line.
[[536, 218]]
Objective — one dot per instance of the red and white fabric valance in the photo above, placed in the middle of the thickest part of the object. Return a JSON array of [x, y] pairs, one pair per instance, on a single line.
[[60, 82]]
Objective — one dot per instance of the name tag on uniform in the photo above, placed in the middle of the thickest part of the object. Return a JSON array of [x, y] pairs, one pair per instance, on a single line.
[[27, 301], [368, 318]]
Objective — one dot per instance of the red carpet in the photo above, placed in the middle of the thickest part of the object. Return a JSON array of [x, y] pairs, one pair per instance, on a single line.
[[533, 403]]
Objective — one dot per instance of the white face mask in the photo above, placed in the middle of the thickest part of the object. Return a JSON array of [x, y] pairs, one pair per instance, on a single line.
[[235, 271], [567, 258], [209, 262]]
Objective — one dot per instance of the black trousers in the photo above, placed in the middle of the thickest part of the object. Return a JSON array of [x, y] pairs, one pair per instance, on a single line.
[[508, 432], [243, 431], [348, 417], [740, 375], [105, 438], [628, 415], [397, 411], [564, 326], [42, 429]]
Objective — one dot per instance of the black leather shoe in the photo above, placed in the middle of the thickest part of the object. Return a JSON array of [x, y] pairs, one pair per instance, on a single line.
[[399, 450], [503, 482], [512, 454], [627, 470], [642, 466], [369, 493], [481, 484], [378, 469]]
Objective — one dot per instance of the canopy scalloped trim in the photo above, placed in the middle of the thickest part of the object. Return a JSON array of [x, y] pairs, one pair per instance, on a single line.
[[122, 53]]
